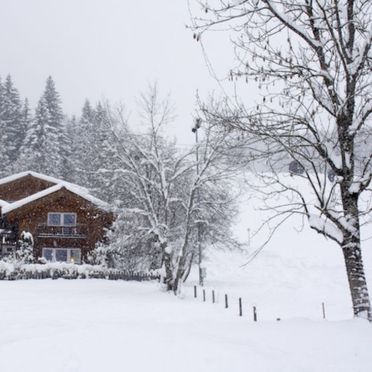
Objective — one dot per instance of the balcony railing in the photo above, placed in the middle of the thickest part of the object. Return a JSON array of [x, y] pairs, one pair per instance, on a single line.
[[78, 231]]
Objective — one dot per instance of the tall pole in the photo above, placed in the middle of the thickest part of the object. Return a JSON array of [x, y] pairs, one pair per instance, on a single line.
[[195, 130]]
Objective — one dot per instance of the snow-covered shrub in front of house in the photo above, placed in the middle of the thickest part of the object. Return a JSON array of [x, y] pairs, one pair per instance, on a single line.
[[16, 270]]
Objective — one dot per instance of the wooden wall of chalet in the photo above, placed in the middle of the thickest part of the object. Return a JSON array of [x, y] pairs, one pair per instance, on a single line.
[[23, 187], [30, 216]]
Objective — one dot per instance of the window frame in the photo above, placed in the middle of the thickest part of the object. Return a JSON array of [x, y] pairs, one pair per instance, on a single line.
[[69, 258], [62, 219]]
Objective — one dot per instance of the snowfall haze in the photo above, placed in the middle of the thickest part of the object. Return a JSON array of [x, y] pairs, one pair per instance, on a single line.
[[109, 49]]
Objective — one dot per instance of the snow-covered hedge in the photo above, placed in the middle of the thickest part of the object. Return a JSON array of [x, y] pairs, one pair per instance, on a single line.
[[55, 270]]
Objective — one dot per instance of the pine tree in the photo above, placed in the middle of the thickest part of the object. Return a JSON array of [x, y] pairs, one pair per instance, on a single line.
[[46, 146], [12, 119], [11, 125], [19, 165], [82, 148], [3, 154], [26, 118], [104, 172]]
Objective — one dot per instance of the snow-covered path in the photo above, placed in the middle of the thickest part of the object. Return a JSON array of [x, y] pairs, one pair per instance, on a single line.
[[97, 325]]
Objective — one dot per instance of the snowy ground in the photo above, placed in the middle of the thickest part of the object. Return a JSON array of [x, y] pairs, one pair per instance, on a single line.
[[98, 325], [296, 271]]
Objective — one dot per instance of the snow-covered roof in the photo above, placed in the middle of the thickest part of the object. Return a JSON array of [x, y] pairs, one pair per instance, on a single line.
[[41, 176], [59, 184], [3, 203]]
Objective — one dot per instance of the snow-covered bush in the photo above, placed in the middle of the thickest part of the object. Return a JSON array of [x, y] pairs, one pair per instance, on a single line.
[[14, 270], [25, 252], [131, 247]]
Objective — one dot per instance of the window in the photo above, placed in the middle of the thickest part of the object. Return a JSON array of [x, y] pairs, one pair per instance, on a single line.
[[54, 219], [61, 219], [69, 219], [61, 255], [48, 254], [70, 255]]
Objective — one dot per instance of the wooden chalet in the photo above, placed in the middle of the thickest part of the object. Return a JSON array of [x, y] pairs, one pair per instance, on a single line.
[[65, 220]]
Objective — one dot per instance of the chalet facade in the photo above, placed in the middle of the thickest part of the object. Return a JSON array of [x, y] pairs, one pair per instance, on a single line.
[[65, 221]]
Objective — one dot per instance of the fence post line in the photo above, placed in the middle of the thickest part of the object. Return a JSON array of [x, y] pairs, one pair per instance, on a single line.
[[323, 310], [240, 307], [226, 301], [254, 314]]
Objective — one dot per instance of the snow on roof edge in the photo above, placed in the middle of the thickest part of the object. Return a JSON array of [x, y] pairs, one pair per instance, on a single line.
[[3, 203], [20, 203], [75, 190], [41, 176]]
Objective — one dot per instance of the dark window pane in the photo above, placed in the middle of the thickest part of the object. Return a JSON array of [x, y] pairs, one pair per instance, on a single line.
[[75, 255], [54, 219], [48, 254], [69, 219], [61, 255]]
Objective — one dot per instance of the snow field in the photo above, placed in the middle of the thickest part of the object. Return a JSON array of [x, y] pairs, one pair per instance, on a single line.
[[99, 325]]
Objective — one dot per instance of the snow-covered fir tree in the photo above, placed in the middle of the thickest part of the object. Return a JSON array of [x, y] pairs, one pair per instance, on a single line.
[[105, 177], [46, 147], [3, 155], [82, 149], [25, 253], [11, 124], [12, 115]]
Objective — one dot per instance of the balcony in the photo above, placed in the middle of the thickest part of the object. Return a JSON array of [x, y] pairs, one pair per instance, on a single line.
[[77, 232]]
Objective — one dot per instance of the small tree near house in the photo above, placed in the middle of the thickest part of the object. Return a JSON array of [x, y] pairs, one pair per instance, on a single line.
[[25, 252]]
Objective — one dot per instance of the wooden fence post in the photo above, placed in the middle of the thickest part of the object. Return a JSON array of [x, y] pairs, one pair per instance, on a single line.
[[240, 307], [254, 314], [203, 295], [213, 296], [323, 310], [226, 301]]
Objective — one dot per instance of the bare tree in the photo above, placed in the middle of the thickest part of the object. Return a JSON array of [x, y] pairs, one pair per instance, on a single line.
[[312, 61], [158, 223]]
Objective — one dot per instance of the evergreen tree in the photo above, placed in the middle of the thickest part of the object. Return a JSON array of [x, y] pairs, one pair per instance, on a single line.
[[11, 125], [103, 170], [12, 120], [25, 253], [82, 148], [46, 147], [3, 154], [26, 118]]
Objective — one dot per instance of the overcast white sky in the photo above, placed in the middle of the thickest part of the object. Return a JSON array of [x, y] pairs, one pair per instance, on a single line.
[[107, 49]]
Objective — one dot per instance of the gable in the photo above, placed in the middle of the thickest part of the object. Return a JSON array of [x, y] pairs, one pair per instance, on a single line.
[[60, 200], [14, 189]]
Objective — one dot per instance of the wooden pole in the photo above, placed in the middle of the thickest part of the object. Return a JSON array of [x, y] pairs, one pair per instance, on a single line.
[[203, 295], [323, 310], [254, 314], [213, 296], [226, 301], [240, 307], [195, 292]]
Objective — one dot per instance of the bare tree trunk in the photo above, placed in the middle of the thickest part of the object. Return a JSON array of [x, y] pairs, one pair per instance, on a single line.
[[167, 262], [356, 277], [180, 273], [188, 270], [351, 249]]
